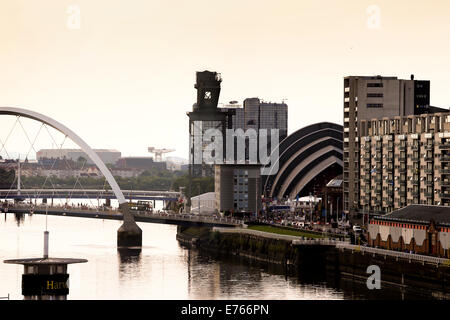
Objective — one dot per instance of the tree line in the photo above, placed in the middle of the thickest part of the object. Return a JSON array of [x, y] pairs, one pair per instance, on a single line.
[[151, 180]]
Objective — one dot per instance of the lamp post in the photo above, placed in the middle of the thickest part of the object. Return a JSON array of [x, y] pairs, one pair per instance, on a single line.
[[310, 208], [199, 200], [337, 209]]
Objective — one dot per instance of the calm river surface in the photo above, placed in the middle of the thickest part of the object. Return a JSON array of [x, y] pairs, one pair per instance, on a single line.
[[163, 269]]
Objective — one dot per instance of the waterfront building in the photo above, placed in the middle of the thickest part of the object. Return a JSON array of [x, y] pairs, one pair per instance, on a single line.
[[237, 188], [404, 160], [422, 229], [375, 97]]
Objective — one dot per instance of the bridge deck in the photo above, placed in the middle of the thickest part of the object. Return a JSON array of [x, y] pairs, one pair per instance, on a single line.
[[165, 218], [87, 193]]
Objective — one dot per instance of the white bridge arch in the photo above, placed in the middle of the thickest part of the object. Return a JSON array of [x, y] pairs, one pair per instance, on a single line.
[[74, 137]]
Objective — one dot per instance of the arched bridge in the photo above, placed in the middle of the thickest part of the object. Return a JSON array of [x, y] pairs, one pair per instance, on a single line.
[[129, 233]]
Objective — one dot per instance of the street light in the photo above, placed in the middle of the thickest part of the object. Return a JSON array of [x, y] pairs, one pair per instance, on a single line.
[[310, 209]]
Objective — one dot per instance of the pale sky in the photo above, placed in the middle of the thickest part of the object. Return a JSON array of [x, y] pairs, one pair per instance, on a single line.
[[125, 78]]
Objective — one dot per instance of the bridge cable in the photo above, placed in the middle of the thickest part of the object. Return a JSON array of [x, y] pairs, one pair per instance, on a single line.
[[82, 188], [10, 188], [71, 169], [9, 157], [51, 168], [9, 134], [32, 147]]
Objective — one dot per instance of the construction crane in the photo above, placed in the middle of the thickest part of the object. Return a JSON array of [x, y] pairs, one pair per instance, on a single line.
[[159, 152]]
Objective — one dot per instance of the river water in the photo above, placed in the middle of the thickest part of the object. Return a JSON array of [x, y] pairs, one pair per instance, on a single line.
[[163, 270]]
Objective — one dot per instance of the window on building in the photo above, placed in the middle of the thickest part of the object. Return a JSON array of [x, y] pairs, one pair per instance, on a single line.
[[374, 95], [375, 85]]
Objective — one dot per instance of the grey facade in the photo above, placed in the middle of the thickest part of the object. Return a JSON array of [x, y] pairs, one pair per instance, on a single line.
[[237, 188], [265, 115], [258, 115]]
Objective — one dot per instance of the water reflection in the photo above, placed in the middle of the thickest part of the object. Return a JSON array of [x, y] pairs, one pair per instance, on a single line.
[[228, 277], [129, 255], [224, 277], [129, 263], [19, 217], [163, 269]]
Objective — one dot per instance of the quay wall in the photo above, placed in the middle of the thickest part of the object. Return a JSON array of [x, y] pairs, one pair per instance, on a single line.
[[327, 260]]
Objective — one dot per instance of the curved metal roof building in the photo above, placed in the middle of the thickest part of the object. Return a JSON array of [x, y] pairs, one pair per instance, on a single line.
[[308, 159]]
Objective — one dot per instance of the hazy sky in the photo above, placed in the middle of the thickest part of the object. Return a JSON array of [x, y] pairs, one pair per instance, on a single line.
[[125, 78]]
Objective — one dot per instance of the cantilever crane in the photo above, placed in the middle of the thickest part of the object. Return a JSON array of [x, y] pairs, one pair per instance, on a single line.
[[159, 152]]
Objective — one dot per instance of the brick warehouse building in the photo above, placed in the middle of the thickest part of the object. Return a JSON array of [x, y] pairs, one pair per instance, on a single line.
[[422, 229]]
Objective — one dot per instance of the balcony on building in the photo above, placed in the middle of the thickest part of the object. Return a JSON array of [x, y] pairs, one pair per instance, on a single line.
[[445, 169], [431, 170], [444, 157], [445, 195]]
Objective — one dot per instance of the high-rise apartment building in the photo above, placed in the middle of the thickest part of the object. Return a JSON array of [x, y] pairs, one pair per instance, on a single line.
[[404, 161], [375, 97]]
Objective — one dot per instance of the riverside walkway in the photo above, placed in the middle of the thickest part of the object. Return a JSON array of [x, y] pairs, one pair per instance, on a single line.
[[340, 245]]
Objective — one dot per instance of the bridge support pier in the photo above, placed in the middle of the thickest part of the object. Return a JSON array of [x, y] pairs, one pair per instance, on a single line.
[[129, 234]]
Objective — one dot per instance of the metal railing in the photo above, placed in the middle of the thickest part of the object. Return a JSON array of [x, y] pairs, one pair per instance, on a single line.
[[188, 217], [296, 240], [257, 233], [397, 254], [320, 242], [145, 214]]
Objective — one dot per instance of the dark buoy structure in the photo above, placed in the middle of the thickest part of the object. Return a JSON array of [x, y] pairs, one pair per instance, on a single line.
[[129, 234], [45, 278]]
